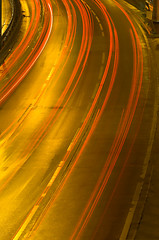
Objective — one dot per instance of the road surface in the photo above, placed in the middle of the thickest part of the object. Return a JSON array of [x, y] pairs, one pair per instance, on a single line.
[[77, 122]]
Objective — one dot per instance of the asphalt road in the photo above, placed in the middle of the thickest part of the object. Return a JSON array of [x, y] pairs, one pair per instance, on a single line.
[[77, 122]]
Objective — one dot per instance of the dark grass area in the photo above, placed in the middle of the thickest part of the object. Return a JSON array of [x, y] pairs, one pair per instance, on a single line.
[[140, 4]]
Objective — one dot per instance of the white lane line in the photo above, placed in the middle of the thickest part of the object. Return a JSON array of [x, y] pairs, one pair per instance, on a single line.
[[55, 174], [131, 212], [17, 236], [101, 72], [71, 144], [101, 27], [35, 208], [97, 18], [103, 57], [95, 90]]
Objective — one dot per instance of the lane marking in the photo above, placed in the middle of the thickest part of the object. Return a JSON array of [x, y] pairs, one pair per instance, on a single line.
[[72, 142], [103, 57], [149, 149], [97, 18], [35, 208], [101, 27], [61, 163], [95, 91], [101, 72], [17, 236], [130, 215]]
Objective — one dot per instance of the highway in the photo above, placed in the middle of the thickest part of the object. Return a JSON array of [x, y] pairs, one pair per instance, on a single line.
[[77, 121]]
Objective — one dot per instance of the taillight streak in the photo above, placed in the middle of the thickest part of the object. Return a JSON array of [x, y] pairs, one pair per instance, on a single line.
[[61, 164], [119, 140]]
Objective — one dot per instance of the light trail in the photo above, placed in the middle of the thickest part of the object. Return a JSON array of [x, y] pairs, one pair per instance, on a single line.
[[69, 43], [91, 131], [42, 43], [118, 142], [114, 151], [44, 128], [31, 64], [20, 49], [22, 117], [80, 58], [97, 120], [18, 121], [119, 177]]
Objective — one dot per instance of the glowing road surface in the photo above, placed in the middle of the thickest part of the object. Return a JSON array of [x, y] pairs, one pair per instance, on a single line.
[[77, 122]]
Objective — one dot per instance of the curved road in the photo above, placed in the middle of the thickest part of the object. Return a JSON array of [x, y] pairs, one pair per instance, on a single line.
[[77, 122]]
